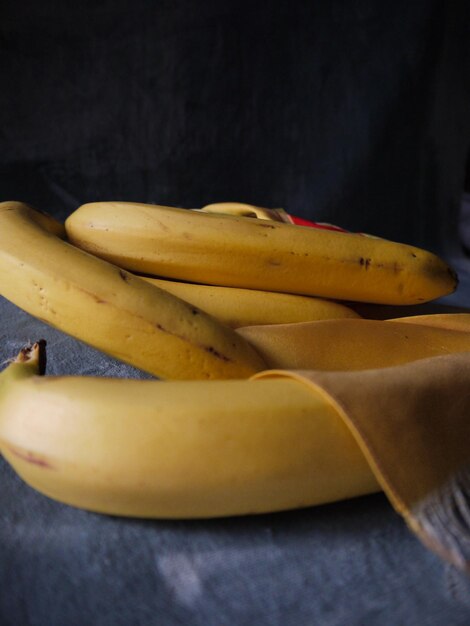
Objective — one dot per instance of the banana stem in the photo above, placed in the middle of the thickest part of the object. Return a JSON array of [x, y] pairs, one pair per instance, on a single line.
[[30, 361]]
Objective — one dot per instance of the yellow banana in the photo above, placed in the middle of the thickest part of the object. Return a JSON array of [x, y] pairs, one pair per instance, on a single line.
[[258, 254], [248, 307], [111, 309], [351, 344], [246, 210], [177, 449]]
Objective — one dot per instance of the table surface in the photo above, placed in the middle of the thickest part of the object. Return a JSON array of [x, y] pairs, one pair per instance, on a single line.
[[352, 562]]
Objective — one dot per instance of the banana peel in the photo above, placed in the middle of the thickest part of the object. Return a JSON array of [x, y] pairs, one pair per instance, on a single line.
[[239, 251]]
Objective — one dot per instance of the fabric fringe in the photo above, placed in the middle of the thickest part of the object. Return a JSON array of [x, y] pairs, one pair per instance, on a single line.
[[442, 520]]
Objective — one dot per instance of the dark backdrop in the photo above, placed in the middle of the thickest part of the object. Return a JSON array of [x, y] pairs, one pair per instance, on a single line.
[[355, 112]]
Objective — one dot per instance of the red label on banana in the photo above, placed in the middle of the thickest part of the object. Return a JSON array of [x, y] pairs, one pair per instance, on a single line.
[[301, 221], [277, 215]]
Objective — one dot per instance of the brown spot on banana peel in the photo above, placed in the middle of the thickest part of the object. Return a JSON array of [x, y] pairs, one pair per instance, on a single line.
[[92, 295], [124, 275], [159, 326], [29, 457], [264, 224], [367, 263], [216, 353], [209, 349], [163, 226], [396, 268]]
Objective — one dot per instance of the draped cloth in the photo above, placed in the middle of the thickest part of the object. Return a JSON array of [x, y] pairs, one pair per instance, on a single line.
[[412, 422]]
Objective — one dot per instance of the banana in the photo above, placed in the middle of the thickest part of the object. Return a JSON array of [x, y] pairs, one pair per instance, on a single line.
[[258, 254], [246, 210], [111, 309], [249, 307], [176, 449], [351, 344]]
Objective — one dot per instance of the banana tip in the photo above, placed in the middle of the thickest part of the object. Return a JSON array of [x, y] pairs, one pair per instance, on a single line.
[[34, 352]]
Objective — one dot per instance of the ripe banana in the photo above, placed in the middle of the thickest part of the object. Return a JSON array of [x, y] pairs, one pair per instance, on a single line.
[[278, 215], [249, 307], [351, 344], [258, 254], [111, 309], [246, 210], [174, 449]]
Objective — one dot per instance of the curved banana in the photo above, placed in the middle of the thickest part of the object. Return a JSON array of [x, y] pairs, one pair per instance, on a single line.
[[111, 309], [351, 344], [258, 254], [246, 210], [249, 307], [177, 449]]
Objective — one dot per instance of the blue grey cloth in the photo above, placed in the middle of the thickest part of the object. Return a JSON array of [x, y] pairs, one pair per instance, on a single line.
[[353, 562]]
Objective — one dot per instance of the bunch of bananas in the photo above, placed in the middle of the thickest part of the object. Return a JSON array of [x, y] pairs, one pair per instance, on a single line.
[[205, 298]]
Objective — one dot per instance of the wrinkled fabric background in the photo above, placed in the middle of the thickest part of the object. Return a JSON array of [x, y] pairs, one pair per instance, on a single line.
[[354, 113]]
